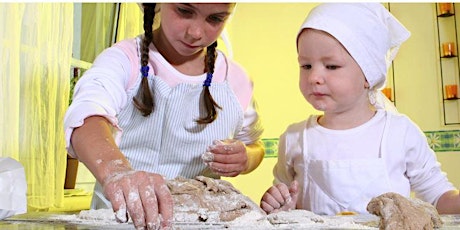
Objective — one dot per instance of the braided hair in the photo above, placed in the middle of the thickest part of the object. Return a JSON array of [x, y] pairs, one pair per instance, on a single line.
[[206, 96], [144, 99]]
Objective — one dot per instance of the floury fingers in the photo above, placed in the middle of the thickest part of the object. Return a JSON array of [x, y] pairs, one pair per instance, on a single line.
[[207, 157]]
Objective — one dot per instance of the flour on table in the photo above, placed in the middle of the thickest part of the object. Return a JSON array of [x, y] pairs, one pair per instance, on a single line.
[[303, 219], [294, 219], [99, 217], [206, 203], [106, 215]]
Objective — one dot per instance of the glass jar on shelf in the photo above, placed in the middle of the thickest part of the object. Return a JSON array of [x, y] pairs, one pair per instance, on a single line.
[[446, 9]]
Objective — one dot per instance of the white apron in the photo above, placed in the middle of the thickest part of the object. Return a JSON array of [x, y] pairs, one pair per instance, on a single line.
[[334, 186], [169, 141]]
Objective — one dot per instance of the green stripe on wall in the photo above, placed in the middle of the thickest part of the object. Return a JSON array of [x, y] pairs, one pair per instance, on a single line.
[[439, 141], [271, 147], [444, 141]]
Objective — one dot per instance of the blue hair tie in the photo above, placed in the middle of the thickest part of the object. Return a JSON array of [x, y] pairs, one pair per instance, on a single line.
[[145, 71], [208, 80]]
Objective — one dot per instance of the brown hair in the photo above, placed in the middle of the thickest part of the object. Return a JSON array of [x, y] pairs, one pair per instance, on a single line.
[[208, 101], [144, 99]]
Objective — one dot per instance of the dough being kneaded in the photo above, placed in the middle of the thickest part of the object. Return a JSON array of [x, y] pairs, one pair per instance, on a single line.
[[209, 200], [398, 212]]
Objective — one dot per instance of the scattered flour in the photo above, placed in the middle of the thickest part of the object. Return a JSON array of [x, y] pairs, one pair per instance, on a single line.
[[294, 219], [206, 203], [97, 217]]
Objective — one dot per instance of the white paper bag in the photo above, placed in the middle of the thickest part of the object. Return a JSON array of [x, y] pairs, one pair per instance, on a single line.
[[13, 188]]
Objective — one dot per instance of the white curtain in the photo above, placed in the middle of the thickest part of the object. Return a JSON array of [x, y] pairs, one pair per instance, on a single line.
[[36, 49]]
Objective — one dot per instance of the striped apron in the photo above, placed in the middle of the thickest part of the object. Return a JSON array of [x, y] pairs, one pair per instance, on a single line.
[[169, 141]]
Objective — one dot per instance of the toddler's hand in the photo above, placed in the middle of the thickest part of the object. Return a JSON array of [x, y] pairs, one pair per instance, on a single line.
[[280, 198], [226, 158], [143, 195]]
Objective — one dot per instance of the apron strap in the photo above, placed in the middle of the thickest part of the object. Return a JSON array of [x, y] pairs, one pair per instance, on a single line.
[[226, 64], [383, 142]]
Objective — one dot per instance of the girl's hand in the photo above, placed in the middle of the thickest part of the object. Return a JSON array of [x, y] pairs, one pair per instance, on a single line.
[[143, 195], [280, 198], [226, 158]]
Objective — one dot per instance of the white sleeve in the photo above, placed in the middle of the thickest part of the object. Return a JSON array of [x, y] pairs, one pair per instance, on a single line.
[[100, 91], [252, 126], [283, 171], [427, 179], [290, 164]]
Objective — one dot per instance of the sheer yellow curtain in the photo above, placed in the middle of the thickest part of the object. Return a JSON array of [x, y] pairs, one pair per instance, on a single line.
[[130, 21], [97, 24], [35, 49]]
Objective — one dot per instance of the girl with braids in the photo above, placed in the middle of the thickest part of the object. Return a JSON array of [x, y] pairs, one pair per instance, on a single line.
[[183, 109]]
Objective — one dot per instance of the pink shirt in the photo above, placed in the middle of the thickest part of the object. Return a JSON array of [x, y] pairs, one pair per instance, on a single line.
[[239, 81]]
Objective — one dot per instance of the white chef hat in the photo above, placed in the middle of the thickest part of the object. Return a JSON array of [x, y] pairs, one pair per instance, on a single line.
[[369, 32]]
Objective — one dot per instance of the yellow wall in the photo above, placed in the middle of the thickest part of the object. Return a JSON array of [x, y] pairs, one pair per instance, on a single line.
[[417, 66], [263, 39], [418, 77]]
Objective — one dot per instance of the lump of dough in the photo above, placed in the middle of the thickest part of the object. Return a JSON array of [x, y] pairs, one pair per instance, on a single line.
[[398, 212], [209, 200]]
